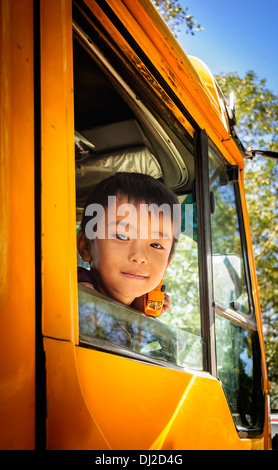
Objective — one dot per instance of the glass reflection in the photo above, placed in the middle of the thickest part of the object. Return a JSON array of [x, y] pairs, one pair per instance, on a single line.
[[229, 277], [235, 363], [107, 320]]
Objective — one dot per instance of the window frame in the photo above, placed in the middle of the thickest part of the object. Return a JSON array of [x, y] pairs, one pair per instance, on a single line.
[[205, 251]]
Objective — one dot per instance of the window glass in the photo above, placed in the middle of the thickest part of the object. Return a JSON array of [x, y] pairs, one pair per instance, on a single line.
[[239, 374], [229, 278], [106, 320]]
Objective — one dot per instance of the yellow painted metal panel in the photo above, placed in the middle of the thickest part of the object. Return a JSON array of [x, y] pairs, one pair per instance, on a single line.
[[101, 401], [254, 280], [156, 408], [17, 244], [59, 280], [136, 399], [70, 424]]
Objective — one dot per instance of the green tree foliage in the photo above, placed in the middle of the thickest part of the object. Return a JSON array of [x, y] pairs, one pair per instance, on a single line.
[[257, 126], [256, 109], [177, 16]]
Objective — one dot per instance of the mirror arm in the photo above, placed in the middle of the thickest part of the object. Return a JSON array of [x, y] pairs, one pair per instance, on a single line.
[[250, 153]]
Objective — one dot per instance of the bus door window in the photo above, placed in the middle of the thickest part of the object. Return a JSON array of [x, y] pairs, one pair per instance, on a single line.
[[237, 348], [122, 128]]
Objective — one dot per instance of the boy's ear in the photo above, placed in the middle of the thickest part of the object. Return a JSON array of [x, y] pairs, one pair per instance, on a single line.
[[83, 246], [169, 261]]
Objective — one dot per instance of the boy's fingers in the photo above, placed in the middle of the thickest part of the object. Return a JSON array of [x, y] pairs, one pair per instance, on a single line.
[[167, 300], [166, 304]]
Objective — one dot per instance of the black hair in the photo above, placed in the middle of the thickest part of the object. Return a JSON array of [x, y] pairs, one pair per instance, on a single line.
[[137, 187]]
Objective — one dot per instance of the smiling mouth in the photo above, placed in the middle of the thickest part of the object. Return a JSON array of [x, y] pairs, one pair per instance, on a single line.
[[139, 277]]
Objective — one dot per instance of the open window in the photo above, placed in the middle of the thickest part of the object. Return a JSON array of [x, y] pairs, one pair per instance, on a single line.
[[122, 125]]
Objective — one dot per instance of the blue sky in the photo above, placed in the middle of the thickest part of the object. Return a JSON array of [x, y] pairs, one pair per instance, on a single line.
[[238, 36]]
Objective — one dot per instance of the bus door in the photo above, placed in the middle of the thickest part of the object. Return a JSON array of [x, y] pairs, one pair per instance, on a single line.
[[117, 379]]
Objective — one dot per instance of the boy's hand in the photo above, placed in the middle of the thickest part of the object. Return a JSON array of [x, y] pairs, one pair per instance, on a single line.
[[166, 304], [138, 303]]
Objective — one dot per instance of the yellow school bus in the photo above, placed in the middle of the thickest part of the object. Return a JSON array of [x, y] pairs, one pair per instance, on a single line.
[[90, 88]]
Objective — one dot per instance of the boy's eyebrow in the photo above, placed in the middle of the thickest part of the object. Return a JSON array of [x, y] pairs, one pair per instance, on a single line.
[[154, 235], [160, 235], [119, 222]]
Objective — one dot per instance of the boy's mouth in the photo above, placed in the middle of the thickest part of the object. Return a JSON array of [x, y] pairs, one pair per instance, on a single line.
[[139, 277]]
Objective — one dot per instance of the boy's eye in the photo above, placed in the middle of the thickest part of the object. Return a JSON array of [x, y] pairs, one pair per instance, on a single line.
[[157, 246], [121, 236]]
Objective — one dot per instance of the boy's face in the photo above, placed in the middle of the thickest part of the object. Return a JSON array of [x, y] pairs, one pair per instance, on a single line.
[[132, 258]]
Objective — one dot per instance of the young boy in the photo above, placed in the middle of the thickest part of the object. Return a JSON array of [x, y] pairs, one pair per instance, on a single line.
[[130, 240]]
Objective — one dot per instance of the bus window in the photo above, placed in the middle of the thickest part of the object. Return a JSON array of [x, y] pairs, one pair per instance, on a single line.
[[237, 344], [229, 270], [122, 126]]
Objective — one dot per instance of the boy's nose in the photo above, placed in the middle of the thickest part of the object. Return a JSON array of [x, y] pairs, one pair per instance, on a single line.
[[137, 253]]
